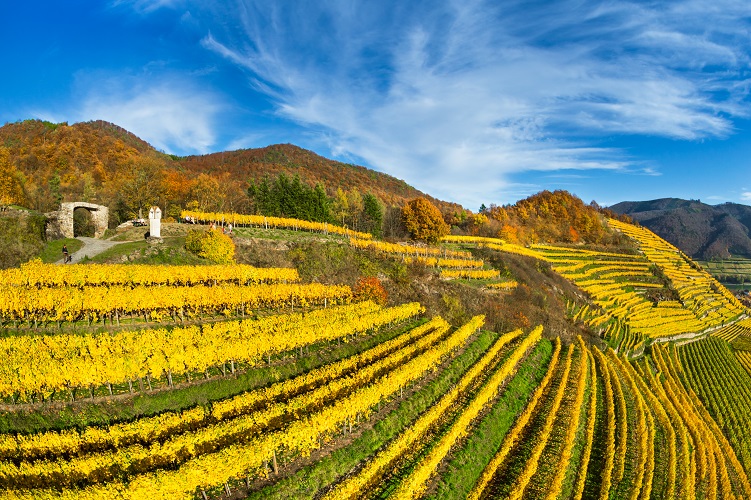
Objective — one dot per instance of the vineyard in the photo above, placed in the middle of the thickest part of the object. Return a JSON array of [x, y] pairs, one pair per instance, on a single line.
[[234, 381]]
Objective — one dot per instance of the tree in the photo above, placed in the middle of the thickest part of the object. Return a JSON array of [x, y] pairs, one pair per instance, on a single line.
[[340, 206], [11, 187], [207, 192], [290, 198], [355, 208], [424, 221], [54, 185], [372, 214], [141, 187]]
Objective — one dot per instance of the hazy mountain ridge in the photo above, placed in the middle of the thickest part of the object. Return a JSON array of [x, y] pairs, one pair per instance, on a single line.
[[702, 231]]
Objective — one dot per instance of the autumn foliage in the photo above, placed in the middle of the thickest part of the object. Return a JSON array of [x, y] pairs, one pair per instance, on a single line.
[[548, 217], [11, 191], [370, 288], [424, 221], [212, 245]]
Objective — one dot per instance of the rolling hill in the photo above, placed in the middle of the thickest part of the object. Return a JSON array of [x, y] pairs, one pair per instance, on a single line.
[[704, 232], [580, 356], [100, 162], [490, 369]]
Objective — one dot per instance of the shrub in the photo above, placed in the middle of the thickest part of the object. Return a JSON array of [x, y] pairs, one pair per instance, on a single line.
[[212, 245], [370, 289]]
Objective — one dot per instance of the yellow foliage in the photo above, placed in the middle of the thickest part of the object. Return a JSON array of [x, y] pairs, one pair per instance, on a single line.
[[424, 221]]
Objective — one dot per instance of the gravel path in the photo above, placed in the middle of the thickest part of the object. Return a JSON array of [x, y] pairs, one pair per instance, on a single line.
[[91, 247]]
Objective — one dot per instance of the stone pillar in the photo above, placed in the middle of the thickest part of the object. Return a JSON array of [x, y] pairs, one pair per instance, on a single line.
[[155, 222]]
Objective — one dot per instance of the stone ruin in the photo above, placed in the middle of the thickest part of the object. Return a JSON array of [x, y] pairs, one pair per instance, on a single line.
[[60, 223]]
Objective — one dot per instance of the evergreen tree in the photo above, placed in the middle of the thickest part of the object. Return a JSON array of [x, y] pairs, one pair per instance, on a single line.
[[372, 214]]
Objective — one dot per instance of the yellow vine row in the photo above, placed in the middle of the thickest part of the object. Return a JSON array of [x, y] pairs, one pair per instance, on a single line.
[[610, 411], [59, 362], [564, 464], [416, 483], [273, 223], [302, 436], [409, 250], [514, 435], [354, 485], [145, 430], [37, 274], [541, 438], [100, 467], [590, 432], [154, 302]]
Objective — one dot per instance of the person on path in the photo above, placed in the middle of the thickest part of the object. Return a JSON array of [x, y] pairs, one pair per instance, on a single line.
[[66, 255]]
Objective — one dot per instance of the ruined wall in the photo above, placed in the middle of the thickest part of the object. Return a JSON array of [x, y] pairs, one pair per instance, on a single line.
[[60, 224]]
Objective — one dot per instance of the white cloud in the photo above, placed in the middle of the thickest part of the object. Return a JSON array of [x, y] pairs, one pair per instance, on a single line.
[[147, 6], [168, 112], [463, 96], [746, 196]]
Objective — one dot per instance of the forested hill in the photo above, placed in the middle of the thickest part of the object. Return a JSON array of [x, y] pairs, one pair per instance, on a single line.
[[702, 231], [311, 167], [103, 163]]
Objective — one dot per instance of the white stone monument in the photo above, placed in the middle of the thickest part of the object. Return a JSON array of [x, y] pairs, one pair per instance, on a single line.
[[155, 222]]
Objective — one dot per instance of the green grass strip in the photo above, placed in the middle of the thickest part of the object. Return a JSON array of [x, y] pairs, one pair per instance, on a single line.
[[308, 481], [468, 462]]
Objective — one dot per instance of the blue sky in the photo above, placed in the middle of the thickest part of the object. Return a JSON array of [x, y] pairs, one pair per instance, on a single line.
[[474, 102]]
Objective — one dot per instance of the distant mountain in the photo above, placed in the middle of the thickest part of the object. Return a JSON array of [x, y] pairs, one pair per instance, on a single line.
[[702, 231]]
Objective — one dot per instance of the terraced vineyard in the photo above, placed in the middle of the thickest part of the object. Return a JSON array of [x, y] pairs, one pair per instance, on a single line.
[[252, 384]]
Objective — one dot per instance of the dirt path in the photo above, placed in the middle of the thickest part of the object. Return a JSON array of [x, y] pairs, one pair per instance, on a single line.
[[91, 247]]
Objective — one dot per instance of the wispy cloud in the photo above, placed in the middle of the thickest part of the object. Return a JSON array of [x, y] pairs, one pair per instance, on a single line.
[[147, 6], [165, 110], [746, 196], [446, 95]]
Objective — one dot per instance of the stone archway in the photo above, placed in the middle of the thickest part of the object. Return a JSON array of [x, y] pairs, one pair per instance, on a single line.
[[61, 222]]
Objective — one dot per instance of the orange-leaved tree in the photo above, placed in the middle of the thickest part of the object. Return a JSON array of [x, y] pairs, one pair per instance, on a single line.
[[370, 288], [424, 221]]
